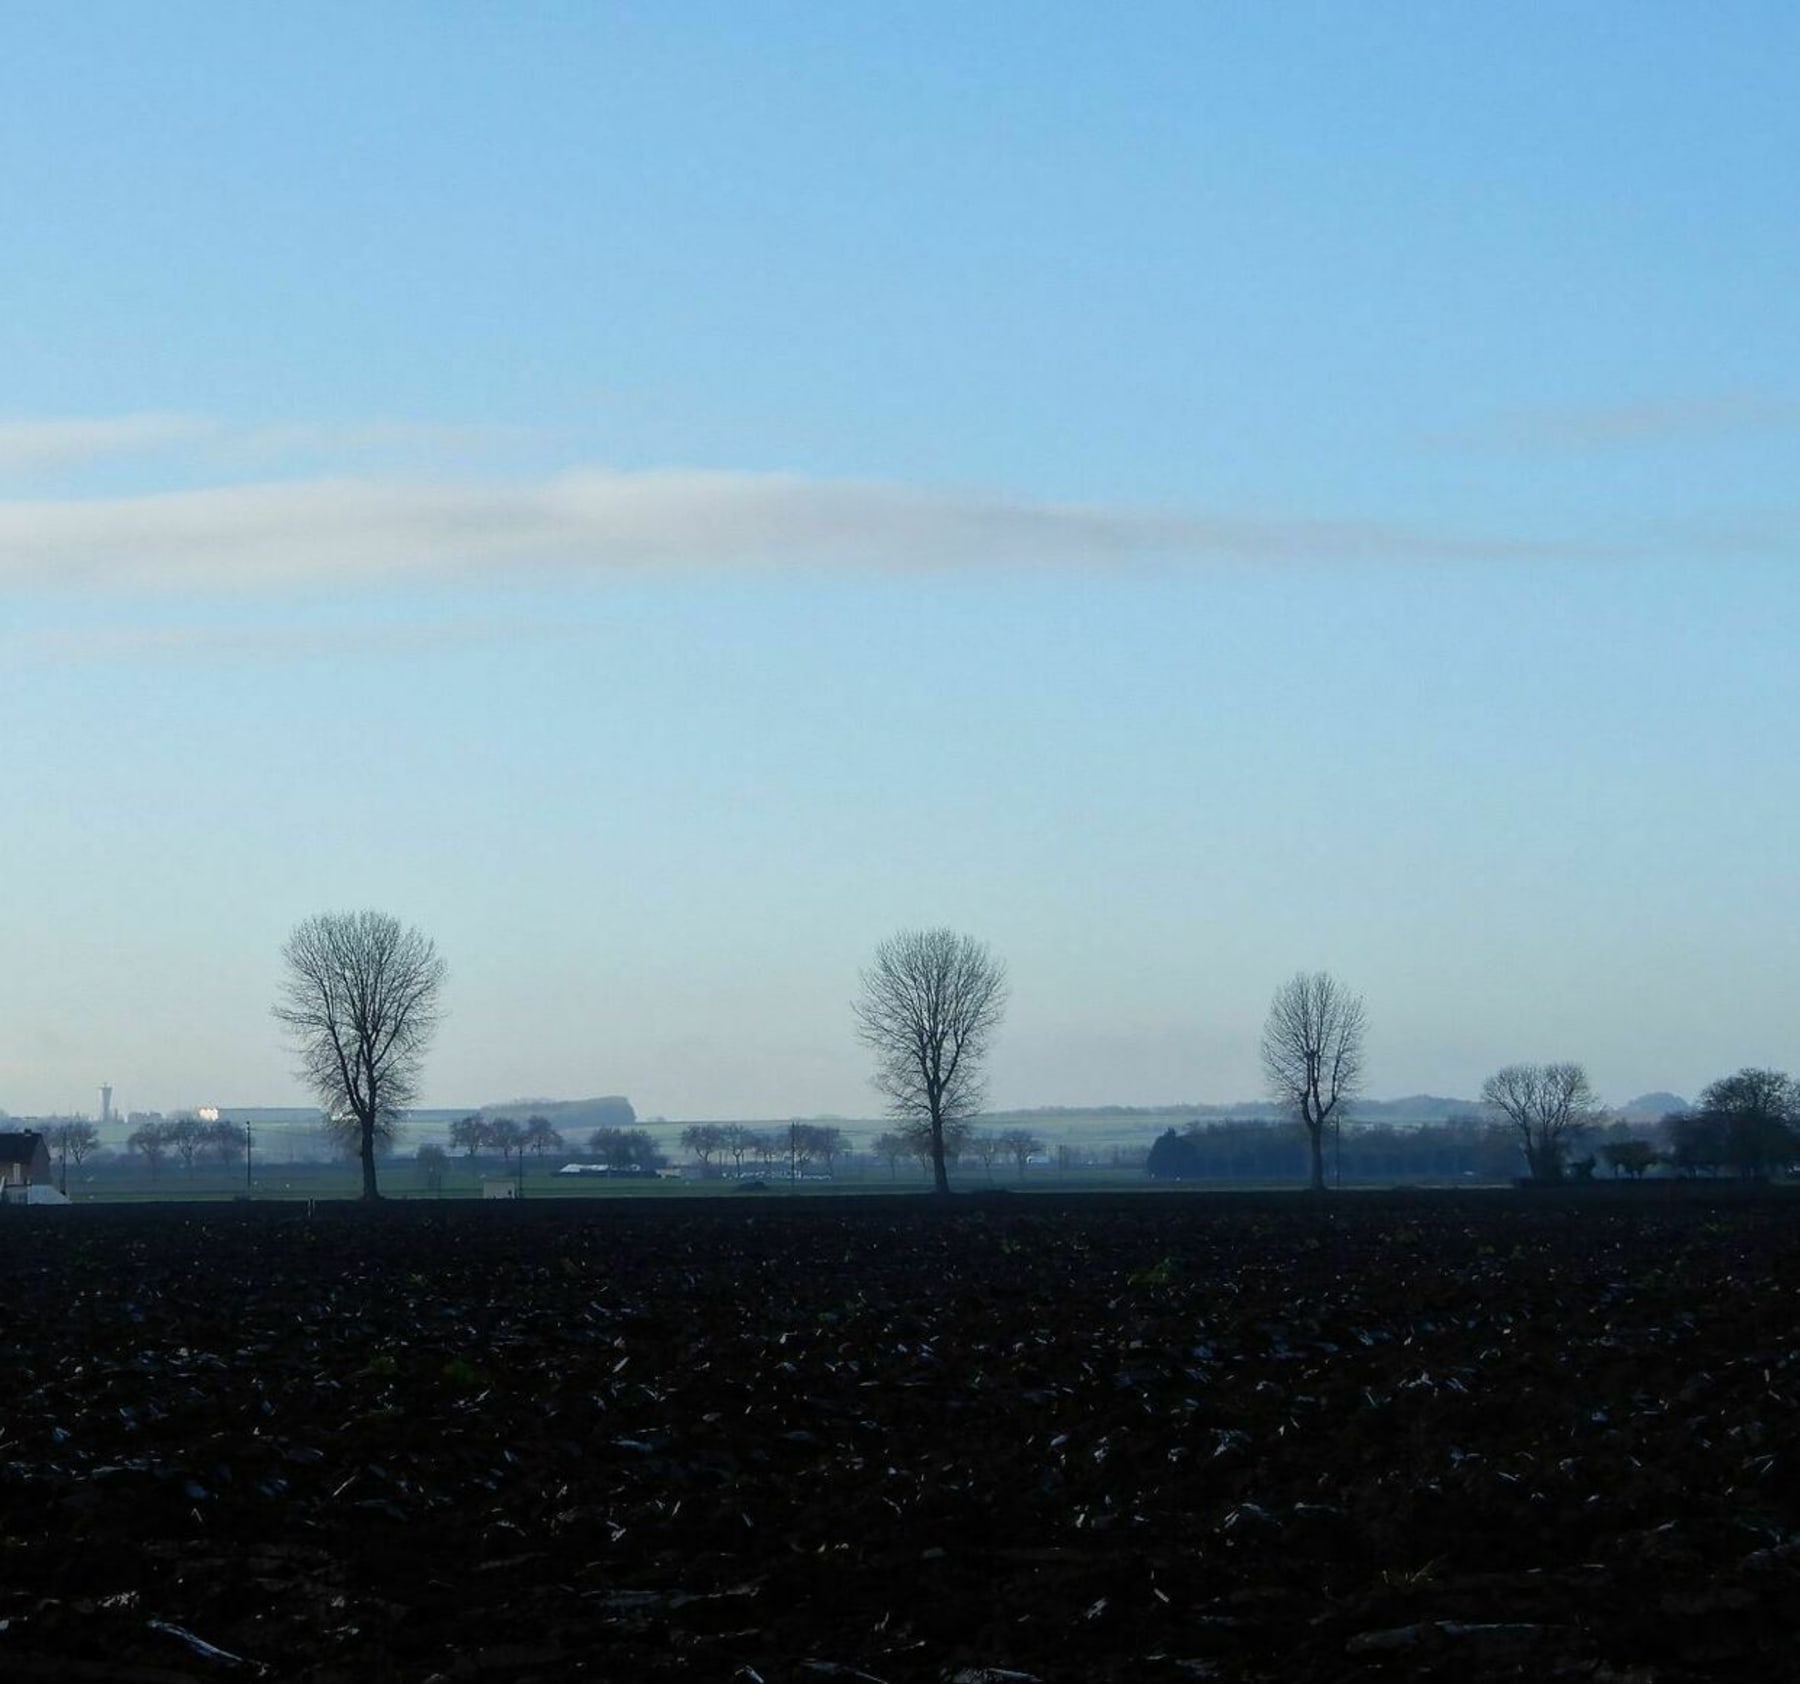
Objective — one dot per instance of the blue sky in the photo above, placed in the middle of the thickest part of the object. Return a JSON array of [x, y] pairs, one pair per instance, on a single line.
[[663, 496]]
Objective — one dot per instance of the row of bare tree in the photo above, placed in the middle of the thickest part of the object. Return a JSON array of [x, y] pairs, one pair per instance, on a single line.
[[475, 1135], [191, 1140], [796, 1146], [360, 997], [1747, 1123], [961, 1142]]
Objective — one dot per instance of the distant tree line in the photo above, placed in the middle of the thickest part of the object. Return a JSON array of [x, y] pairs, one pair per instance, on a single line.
[[478, 1136], [475, 1136], [1261, 1152], [626, 1150], [961, 1141], [1746, 1125], [188, 1140], [792, 1147]]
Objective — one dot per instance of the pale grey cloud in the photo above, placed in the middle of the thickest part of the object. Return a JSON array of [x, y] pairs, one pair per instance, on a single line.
[[335, 533], [35, 447], [51, 446], [1643, 422], [362, 440], [187, 643]]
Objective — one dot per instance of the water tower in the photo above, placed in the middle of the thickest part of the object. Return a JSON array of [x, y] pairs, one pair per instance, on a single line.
[[105, 1103]]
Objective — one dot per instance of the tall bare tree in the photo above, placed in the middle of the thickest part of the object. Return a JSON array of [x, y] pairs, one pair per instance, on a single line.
[[187, 1134], [469, 1135], [542, 1136], [984, 1148], [1548, 1106], [151, 1142], [890, 1148], [930, 1004], [736, 1142], [1312, 1053], [1752, 1118], [505, 1135], [71, 1139], [1021, 1145], [359, 996], [829, 1143], [432, 1159], [703, 1139]]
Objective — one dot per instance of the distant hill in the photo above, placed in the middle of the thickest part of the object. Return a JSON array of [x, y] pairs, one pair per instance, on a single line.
[[570, 1116], [1650, 1107], [1414, 1108]]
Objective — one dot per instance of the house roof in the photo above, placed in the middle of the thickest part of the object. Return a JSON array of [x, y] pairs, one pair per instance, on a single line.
[[20, 1148]]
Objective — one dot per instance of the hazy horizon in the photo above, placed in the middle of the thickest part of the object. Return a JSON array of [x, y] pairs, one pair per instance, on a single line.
[[662, 500], [1358, 1109]]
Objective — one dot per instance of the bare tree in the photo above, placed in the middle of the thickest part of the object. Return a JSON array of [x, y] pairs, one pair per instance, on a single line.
[[929, 1006], [187, 1134], [984, 1148], [224, 1140], [828, 1143], [919, 1146], [1632, 1157], [703, 1139], [1752, 1120], [626, 1149], [798, 1143], [1022, 1146], [735, 1140], [469, 1136], [431, 1159], [1548, 1106], [71, 1140], [891, 1148], [150, 1141], [505, 1134], [542, 1136], [360, 998], [1312, 1053]]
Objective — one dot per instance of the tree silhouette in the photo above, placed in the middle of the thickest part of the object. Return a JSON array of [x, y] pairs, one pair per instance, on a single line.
[[929, 1006], [1312, 1052], [1549, 1107], [359, 997]]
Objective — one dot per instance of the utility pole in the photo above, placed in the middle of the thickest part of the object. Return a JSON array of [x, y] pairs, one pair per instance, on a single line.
[[248, 1145]]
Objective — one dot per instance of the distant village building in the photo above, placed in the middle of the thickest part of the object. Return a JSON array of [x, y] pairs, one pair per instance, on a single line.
[[24, 1160], [25, 1174]]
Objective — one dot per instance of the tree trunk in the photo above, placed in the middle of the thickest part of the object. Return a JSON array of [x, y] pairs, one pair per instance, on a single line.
[[1315, 1141], [940, 1176], [367, 1130]]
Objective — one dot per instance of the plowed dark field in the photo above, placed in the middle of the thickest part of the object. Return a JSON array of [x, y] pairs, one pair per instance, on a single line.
[[1147, 1438]]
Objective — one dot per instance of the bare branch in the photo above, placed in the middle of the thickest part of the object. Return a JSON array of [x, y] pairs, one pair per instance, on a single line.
[[1312, 1052], [1549, 1105], [359, 997], [929, 1006]]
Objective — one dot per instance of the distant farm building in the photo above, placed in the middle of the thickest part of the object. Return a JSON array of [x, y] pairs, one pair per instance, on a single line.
[[25, 1175], [617, 1171]]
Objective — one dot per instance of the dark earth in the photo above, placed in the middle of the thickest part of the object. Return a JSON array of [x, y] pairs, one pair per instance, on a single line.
[[1148, 1437]]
